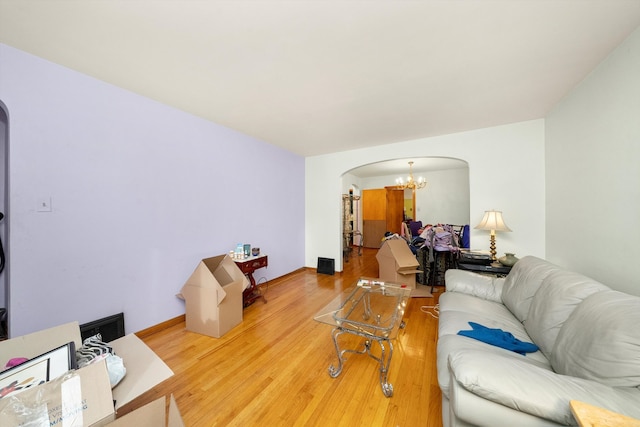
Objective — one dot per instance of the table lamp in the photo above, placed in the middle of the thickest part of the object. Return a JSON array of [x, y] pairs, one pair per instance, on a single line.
[[492, 221]]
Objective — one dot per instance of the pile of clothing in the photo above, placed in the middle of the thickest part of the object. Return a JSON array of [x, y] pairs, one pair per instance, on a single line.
[[94, 349], [436, 248]]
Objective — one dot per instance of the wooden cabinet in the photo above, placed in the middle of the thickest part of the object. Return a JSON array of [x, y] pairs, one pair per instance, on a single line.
[[248, 266], [382, 211]]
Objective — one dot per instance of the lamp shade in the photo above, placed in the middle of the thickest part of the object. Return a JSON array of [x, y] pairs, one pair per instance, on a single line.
[[492, 220]]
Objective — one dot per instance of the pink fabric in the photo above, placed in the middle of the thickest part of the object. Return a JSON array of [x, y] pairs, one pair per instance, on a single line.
[[15, 362]]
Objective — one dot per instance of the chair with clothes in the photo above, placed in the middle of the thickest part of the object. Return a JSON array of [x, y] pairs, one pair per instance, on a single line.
[[439, 253], [425, 265], [465, 238], [405, 233], [461, 233], [415, 228]]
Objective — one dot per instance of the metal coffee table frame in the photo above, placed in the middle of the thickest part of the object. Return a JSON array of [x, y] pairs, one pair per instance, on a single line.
[[372, 310]]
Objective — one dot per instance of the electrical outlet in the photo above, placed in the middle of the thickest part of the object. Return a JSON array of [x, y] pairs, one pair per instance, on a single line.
[[44, 204]]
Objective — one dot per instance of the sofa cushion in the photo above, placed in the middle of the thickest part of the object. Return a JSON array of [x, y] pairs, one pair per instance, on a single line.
[[479, 285], [561, 291], [456, 311], [471, 309], [601, 340], [531, 388], [453, 321], [522, 283], [450, 344]]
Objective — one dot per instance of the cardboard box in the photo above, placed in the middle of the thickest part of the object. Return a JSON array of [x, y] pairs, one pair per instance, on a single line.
[[152, 415], [39, 342], [80, 398], [144, 368], [213, 296], [397, 263]]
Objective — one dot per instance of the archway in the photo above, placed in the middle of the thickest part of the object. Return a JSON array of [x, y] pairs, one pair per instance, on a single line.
[[445, 199]]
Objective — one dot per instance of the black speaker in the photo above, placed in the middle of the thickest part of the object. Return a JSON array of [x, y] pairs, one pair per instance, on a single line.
[[326, 266]]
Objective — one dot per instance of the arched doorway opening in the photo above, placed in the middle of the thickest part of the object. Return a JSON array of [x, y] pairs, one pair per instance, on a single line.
[[445, 199]]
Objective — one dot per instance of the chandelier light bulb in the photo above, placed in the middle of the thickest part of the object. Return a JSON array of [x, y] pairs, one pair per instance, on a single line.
[[411, 183]]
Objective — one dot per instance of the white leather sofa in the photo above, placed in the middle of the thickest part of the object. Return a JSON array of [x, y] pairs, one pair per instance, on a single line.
[[588, 337]]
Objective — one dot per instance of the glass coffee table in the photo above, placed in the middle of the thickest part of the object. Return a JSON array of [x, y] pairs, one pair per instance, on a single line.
[[374, 310]]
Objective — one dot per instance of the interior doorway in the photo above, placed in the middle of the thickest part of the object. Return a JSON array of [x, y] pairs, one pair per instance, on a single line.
[[409, 204]]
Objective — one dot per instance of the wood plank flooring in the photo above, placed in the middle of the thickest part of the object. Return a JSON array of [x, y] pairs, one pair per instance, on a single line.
[[272, 370]]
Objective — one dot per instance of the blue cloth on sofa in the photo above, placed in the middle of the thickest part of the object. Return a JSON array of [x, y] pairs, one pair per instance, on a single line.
[[499, 338]]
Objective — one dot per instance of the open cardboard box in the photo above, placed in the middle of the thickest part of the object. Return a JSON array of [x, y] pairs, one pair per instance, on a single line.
[[79, 398], [144, 371], [397, 263], [152, 415], [213, 296]]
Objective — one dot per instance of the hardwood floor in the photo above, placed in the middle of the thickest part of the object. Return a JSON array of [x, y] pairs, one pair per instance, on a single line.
[[271, 370]]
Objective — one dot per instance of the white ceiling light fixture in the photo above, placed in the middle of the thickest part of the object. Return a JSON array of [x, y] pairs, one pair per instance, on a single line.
[[411, 183]]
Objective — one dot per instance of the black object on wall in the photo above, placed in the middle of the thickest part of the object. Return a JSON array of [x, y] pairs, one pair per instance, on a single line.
[[110, 328]]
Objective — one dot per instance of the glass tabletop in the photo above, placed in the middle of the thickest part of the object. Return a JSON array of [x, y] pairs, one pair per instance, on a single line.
[[372, 308]]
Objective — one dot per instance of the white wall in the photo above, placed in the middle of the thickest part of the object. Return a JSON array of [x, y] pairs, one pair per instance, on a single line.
[[593, 173], [445, 199], [506, 172], [140, 193]]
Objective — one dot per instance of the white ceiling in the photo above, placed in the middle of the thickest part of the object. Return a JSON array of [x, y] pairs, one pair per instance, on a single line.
[[317, 77]]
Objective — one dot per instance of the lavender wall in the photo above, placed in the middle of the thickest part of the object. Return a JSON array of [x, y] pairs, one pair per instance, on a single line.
[[140, 192]]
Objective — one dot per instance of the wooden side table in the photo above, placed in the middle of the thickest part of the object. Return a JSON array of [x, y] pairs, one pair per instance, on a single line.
[[498, 270], [248, 266], [591, 416]]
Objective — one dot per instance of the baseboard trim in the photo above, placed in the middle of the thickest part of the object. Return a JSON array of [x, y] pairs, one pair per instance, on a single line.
[[315, 270], [284, 276], [181, 319], [160, 326]]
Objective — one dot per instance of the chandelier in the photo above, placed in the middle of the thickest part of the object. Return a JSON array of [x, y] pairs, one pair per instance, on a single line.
[[411, 183]]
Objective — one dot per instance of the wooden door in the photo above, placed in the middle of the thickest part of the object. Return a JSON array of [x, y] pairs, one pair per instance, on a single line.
[[382, 211], [395, 209], [374, 220]]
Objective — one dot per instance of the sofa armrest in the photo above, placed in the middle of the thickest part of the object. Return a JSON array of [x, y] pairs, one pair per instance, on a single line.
[[478, 285], [533, 389]]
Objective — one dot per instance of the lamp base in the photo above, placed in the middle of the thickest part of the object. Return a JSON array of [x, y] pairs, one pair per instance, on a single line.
[[492, 248]]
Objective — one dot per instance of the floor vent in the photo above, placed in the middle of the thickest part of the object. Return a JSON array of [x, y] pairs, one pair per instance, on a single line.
[[326, 266]]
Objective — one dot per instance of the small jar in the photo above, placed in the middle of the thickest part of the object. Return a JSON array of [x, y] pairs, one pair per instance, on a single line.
[[508, 260]]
